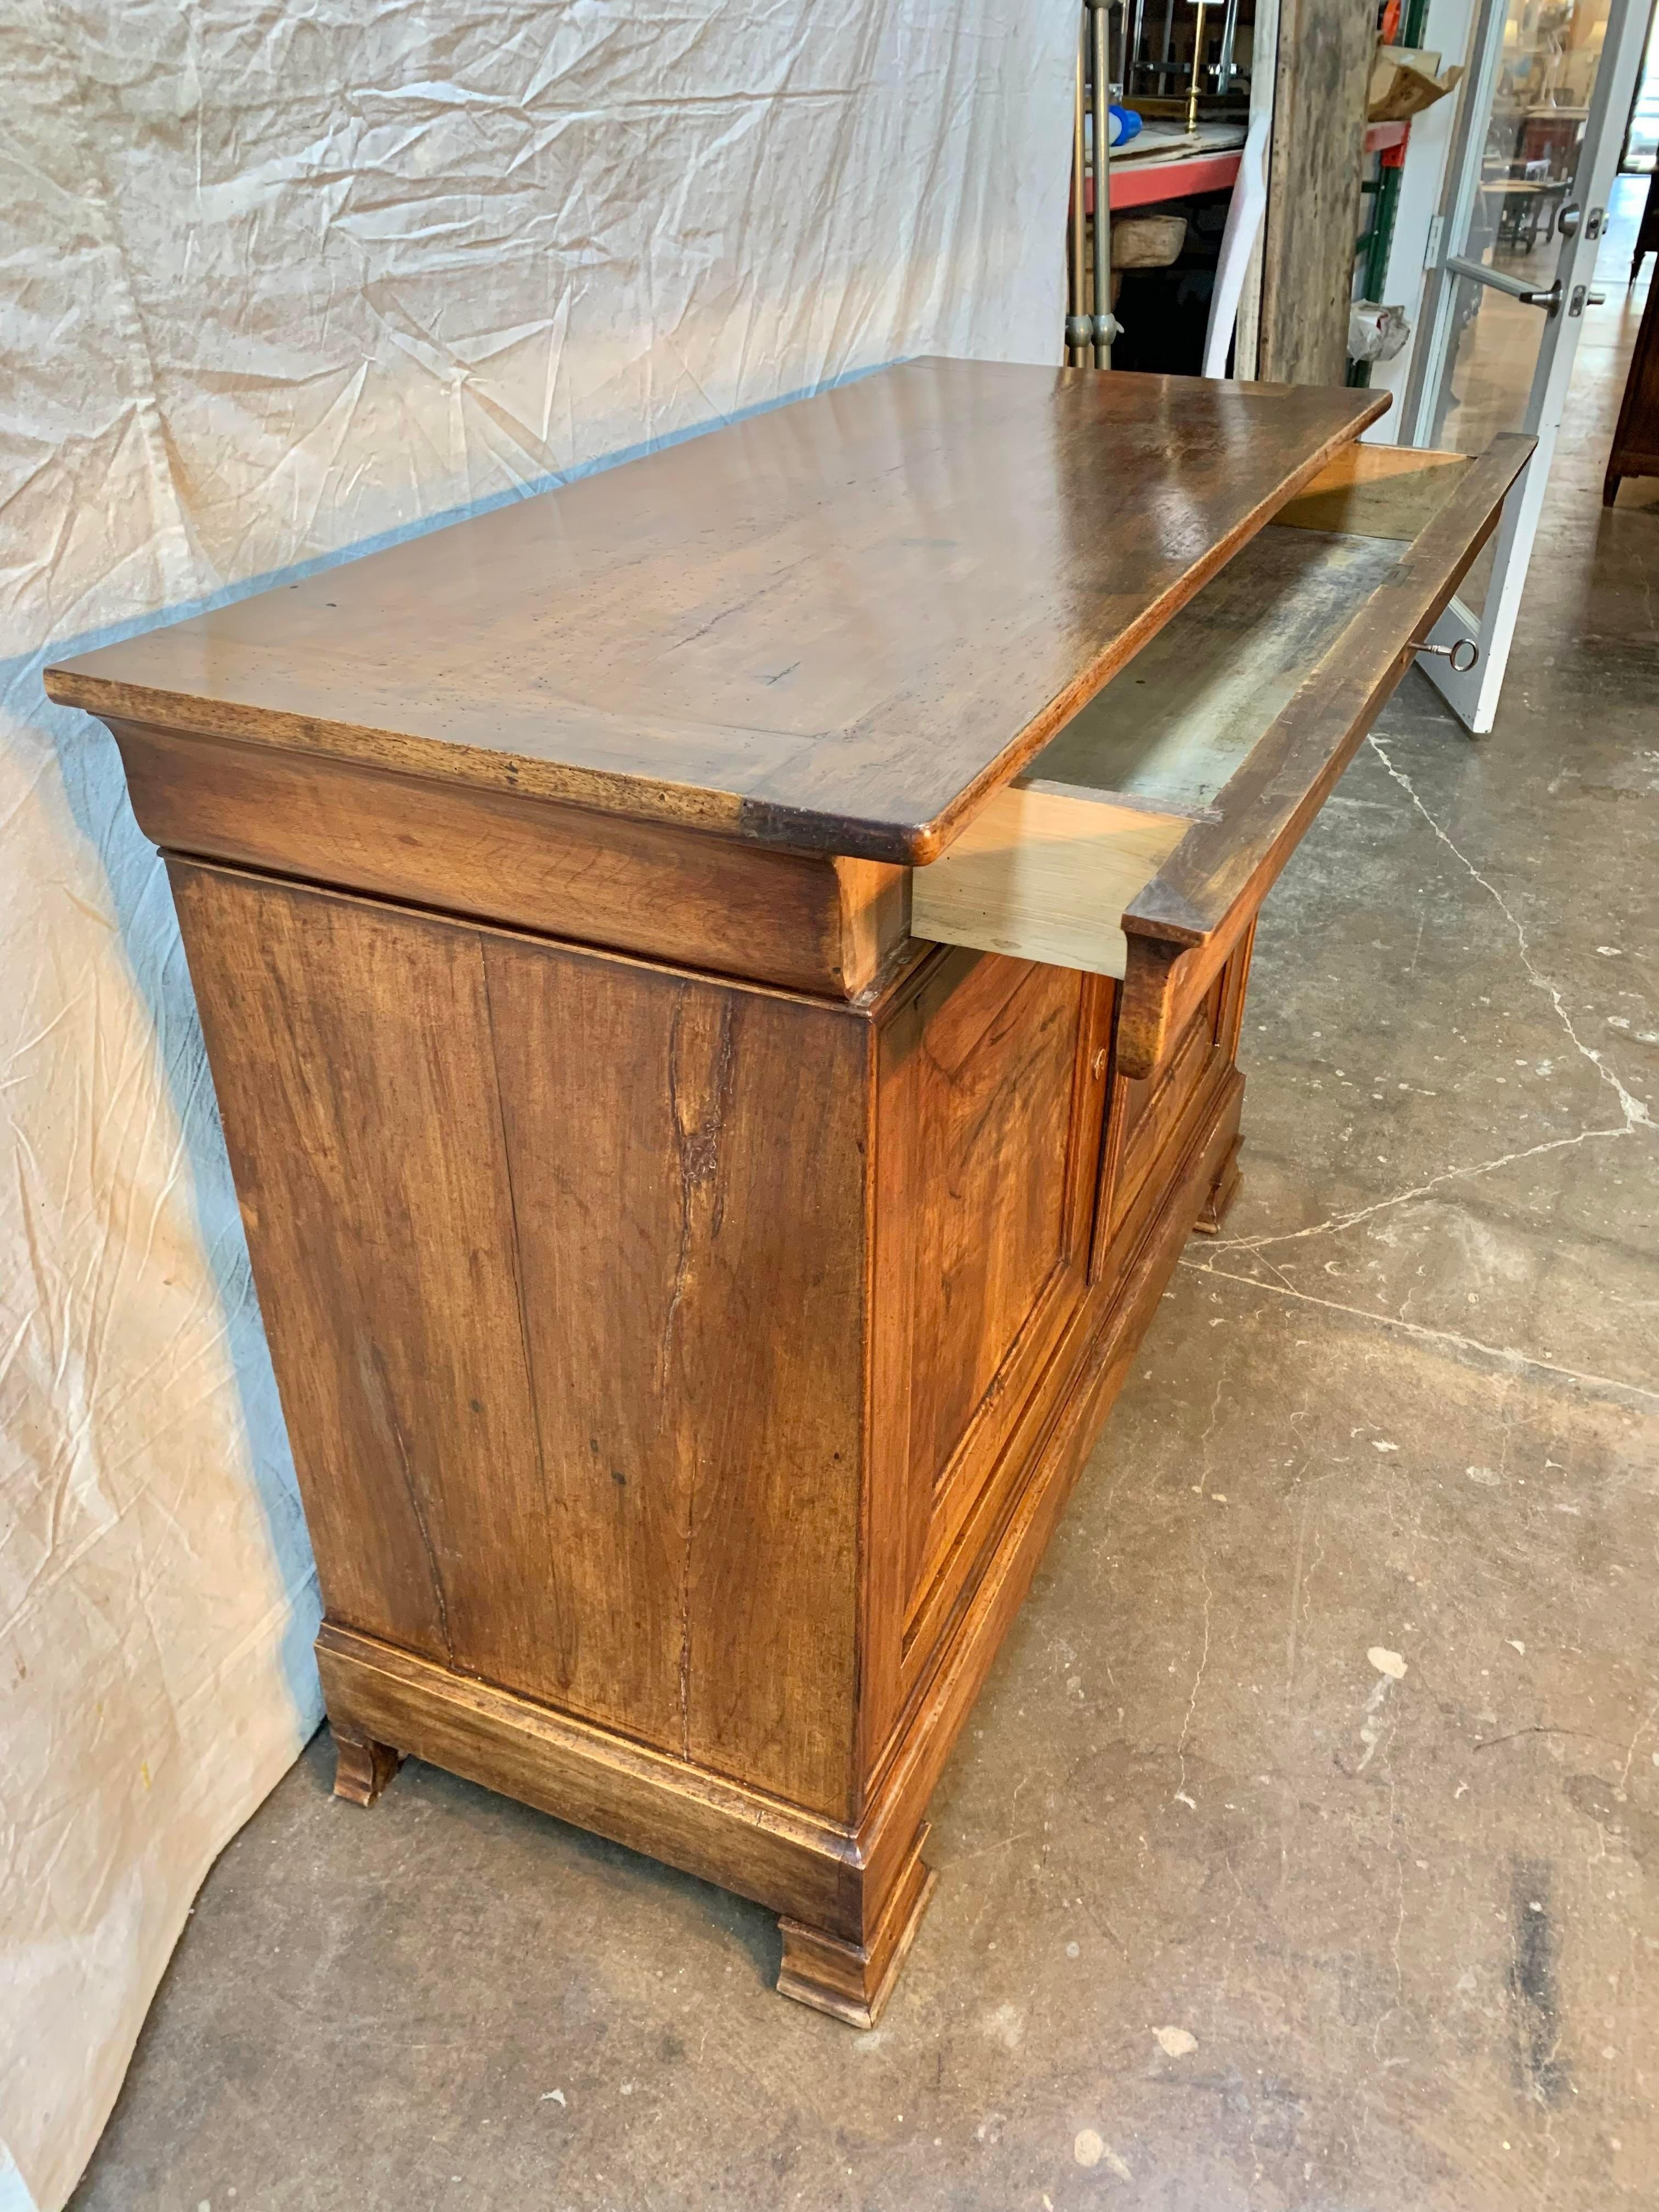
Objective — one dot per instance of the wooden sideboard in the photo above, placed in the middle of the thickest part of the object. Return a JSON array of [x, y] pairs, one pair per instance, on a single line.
[[723, 983]]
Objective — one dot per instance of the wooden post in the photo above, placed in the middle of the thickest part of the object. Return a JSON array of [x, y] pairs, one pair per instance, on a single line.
[[1322, 69]]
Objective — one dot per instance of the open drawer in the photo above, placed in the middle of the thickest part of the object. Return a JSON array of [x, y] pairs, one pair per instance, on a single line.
[[1141, 841]]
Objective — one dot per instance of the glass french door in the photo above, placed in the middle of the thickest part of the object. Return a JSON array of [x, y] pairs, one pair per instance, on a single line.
[[1542, 119]]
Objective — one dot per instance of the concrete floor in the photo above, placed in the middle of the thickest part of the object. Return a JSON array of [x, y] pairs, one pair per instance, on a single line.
[[1302, 1852]]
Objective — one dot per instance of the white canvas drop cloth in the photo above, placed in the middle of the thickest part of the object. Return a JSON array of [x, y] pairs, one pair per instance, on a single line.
[[281, 277]]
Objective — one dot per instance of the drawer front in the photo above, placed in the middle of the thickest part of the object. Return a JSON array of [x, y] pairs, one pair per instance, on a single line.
[[1146, 1112], [679, 895], [1144, 837], [1152, 1120]]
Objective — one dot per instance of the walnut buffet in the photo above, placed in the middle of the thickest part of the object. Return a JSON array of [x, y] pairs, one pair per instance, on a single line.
[[722, 981]]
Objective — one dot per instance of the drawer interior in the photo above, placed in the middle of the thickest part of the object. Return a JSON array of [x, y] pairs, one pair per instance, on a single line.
[[1048, 866], [1172, 726]]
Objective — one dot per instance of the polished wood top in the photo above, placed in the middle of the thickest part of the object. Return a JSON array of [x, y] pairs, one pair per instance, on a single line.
[[838, 626]]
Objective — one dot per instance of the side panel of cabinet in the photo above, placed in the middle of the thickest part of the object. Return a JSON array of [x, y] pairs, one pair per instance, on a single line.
[[523, 1221], [688, 1161], [990, 1100]]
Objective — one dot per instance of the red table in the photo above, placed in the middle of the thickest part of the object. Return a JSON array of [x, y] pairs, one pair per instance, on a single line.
[[1145, 183]]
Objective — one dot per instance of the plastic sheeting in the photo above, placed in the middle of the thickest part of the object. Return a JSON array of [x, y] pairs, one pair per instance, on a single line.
[[284, 276]]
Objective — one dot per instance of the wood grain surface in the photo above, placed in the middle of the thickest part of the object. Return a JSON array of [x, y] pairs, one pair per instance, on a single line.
[[1169, 730], [603, 1781], [838, 627], [349, 1050], [810, 920], [561, 1258], [1044, 873], [691, 1250], [1059, 1425], [989, 1105], [1284, 779], [684, 1373], [1184, 924], [1380, 491], [1323, 63], [1635, 450], [986, 1130]]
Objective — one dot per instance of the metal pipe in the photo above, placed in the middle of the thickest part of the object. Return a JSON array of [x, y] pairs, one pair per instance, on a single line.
[[1132, 29], [1078, 329], [1105, 326], [1198, 62], [1223, 60]]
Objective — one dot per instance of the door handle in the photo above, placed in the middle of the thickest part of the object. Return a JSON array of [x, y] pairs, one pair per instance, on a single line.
[[1453, 652], [1568, 219], [1478, 272]]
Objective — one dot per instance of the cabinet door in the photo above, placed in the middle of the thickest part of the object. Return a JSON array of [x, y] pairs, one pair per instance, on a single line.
[[990, 1106]]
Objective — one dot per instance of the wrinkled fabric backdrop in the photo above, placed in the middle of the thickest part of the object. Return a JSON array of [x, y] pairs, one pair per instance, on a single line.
[[282, 278]]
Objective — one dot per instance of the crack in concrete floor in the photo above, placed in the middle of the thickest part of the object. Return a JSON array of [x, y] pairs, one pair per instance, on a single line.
[[1500, 1355], [1636, 1114], [1635, 1109]]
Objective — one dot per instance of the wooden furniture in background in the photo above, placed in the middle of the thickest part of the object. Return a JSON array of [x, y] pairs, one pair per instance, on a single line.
[[703, 1192], [1647, 231], [1635, 436]]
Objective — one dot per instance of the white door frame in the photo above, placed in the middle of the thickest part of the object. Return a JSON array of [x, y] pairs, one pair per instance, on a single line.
[[1471, 694]]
